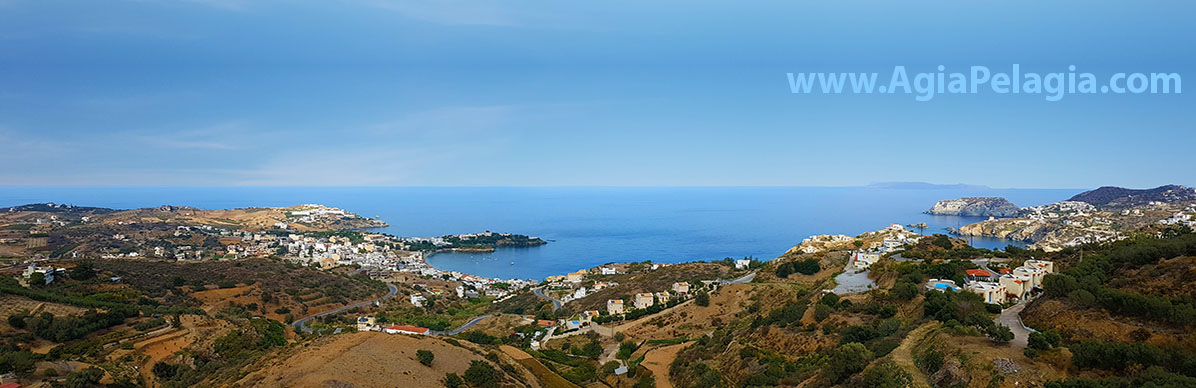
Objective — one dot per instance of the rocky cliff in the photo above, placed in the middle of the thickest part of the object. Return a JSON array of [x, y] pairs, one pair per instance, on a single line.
[[975, 206]]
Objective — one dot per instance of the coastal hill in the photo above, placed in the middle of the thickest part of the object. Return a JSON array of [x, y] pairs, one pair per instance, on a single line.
[[1105, 214], [975, 207], [1119, 197]]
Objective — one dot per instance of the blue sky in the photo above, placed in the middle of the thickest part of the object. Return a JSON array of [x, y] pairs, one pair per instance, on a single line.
[[689, 93]]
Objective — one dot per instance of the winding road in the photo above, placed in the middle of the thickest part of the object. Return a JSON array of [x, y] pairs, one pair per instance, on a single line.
[[301, 324], [464, 327], [556, 303], [741, 280], [1011, 318]]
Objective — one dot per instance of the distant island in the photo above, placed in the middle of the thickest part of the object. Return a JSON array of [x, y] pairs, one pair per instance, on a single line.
[[924, 186]]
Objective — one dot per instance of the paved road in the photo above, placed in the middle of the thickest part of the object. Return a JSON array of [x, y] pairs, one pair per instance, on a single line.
[[464, 327], [743, 279], [1012, 319], [556, 303], [301, 324]]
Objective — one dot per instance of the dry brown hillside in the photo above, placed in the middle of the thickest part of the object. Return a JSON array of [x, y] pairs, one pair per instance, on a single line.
[[366, 359]]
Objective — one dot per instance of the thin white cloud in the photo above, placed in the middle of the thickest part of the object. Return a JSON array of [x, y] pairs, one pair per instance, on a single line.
[[225, 136]]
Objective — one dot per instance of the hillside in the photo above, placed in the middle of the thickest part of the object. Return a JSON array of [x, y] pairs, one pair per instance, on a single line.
[[1119, 197], [369, 359]]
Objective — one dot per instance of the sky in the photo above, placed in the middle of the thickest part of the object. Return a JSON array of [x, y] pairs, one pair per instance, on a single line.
[[613, 93]]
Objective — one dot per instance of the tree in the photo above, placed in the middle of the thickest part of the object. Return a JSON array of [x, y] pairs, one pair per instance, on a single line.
[[1000, 333], [821, 312], [165, 371], [481, 375], [593, 349], [702, 298], [905, 290], [83, 271], [831, 300], [846, 360], [1082, 297], [625, 350], [886, 374], [37, 279], [425, 357], [86, 378], [451, 380], [645, 382], [17, 319]]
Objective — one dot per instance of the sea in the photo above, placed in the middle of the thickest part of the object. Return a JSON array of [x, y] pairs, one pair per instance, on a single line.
[[586, 226]]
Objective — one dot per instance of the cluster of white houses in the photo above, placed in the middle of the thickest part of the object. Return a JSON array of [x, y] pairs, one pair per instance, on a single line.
[[1007, 285], [645, 300], [897, 237]]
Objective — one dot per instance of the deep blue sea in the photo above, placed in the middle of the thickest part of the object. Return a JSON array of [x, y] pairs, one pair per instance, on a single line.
[[585, 226]]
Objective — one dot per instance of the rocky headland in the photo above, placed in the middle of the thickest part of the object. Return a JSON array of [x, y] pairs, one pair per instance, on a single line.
[[975, 207]]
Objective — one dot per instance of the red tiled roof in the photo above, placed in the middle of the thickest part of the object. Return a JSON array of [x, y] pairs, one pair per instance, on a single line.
[[10, 385], [977, 272], [413, 329], [1005, 270], [545, 323]]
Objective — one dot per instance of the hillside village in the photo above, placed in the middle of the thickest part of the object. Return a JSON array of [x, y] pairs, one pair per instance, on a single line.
[[1091, 217], [889, 307]]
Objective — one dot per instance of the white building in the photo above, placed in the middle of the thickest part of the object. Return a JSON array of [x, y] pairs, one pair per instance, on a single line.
[[418, 300], [1036, 275], [1016, 285], [742, 263], [863, 260], [1048, 266], [607, 270], [991, 292], [681, 287], [614, 306], [367, 324], [48, 272], [643, 300]]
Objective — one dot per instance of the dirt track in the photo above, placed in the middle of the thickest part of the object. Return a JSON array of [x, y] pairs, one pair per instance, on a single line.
[[658, 361]]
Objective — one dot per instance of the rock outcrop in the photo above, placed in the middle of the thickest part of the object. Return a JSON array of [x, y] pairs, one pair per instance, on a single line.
[[976, 207]]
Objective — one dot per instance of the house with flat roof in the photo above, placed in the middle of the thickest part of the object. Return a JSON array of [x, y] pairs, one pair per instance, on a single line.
[[1016, 286], [681, 287], [614, 306], [367, 323], [742, 263], [643, 300], [990, 292], [1048, 266], [1036, 275]]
